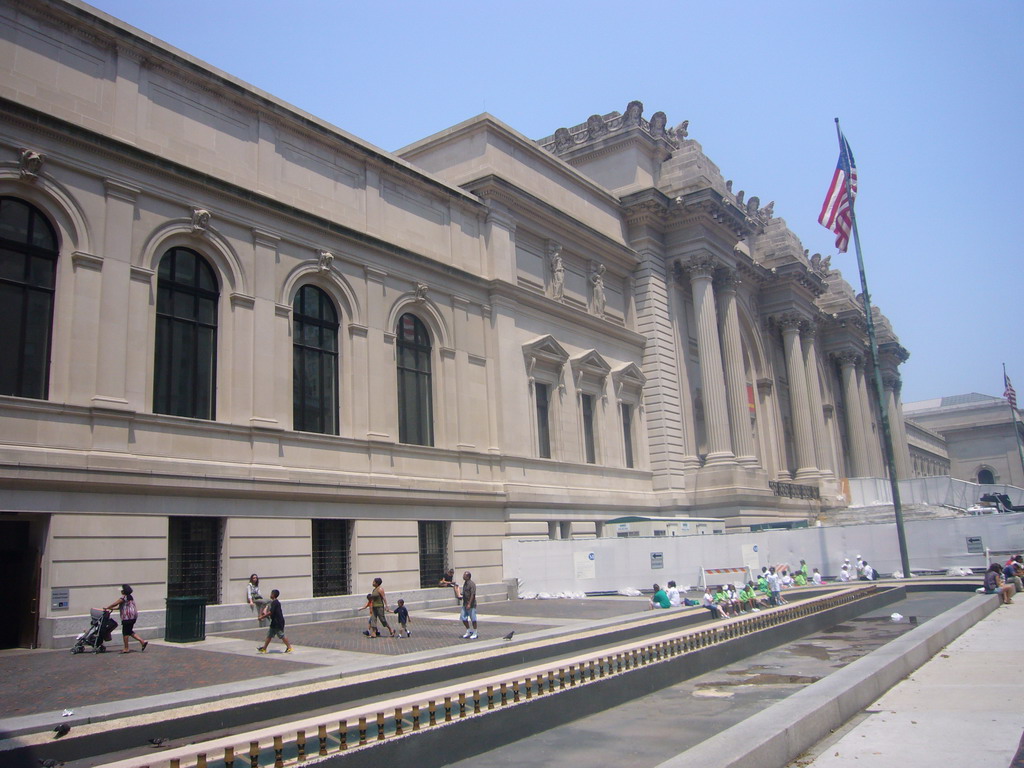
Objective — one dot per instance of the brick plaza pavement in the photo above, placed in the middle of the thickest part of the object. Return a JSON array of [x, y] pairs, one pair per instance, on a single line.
[[35, 682]]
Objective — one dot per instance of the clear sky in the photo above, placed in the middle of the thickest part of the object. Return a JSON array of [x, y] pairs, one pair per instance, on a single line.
[[929, 95]]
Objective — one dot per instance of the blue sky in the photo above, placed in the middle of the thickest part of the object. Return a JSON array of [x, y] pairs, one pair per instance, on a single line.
[[929, 95]]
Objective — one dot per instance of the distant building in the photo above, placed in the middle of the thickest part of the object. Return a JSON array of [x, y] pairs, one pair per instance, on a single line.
[[978, 436], [239, 339]]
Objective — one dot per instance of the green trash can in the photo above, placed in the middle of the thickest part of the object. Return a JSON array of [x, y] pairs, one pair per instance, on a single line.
[[185, 620]]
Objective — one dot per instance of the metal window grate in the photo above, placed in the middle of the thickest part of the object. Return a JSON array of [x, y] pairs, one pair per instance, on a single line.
[[433, 552], [332, 550], [193, 558]]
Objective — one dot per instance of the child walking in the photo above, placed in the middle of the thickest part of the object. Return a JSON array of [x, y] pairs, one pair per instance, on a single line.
[[403, 618]]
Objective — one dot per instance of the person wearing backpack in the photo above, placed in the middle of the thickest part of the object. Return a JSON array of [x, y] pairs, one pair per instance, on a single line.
[[129, 613]]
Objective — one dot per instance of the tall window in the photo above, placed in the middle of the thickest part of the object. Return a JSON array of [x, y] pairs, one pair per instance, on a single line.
[[627, 432], [587, 404], [314, 362], [415, 412], [193, 558], [543, 423], [332, 548], [186, 336], [28, 267], [433, 552]]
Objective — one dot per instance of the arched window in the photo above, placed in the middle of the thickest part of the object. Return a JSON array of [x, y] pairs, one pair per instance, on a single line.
[[985, 477], [28, 269], [314, 362], [185, 374], [415, 412]]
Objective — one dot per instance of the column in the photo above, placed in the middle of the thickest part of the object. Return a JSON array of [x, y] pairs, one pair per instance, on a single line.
[[112, 358], [554, 530], [565, 530], [822, 454], [873, 436], [900, 449], [735, 380], [265, 331], [716, 411], [799, 403], [854, 422]]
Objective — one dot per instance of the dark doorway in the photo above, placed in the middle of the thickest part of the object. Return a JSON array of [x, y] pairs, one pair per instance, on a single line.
[[19, 573]]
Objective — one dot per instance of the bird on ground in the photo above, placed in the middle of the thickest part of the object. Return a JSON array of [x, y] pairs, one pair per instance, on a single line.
[[158, 741], [509, 635], [50, 763], [61, 730]]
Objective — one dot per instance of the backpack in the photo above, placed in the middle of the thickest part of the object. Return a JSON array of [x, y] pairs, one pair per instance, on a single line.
[[129, 611]]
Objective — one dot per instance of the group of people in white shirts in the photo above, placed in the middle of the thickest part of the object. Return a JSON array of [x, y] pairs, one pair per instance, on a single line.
[[861, 571]]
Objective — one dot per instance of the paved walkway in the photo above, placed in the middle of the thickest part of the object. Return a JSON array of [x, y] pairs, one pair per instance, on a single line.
[[961, 709], [44, 683]]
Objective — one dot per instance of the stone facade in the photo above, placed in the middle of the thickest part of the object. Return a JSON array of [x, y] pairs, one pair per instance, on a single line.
[[476, 337], [975, 439]]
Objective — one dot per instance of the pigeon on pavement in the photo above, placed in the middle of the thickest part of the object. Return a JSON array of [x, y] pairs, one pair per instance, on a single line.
[[509, 635], [61, 730]]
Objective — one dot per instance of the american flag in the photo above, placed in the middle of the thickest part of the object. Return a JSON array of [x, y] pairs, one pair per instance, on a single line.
[[1010, 393], [837, 210]]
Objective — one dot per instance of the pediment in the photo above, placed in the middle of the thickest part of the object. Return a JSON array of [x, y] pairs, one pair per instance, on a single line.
[[629, 379], [546, 354]]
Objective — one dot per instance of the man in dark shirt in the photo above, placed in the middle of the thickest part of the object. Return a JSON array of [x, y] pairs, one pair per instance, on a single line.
[[468, 605], [276, 629]]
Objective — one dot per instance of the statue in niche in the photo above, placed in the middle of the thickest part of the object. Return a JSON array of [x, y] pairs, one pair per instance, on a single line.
[[557, 274], [596, 126], [658, 121], [30, 164], [633, 114], [597, 289], [200, 220], [563, 140], [326, 260]]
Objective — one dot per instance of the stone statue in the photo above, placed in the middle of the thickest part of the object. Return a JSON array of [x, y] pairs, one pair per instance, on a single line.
[[768, 211], [658, 121], [633, 114], [421, 292], [739, 197], [563, 140], [200, 220], [597, 284], [728, 185], [596, 126], [682, 130], [30, 164], [326, 260], [557, 274], [753, 204]]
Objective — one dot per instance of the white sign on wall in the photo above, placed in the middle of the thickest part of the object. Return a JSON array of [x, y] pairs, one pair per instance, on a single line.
[[585, 564]]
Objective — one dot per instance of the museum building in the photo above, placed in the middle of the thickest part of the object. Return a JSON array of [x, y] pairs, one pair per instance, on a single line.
[[239, 339]]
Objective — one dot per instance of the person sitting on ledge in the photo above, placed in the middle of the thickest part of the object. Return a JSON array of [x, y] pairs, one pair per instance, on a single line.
[[660, 599], [994, 583], [448, 580], [717, 611]]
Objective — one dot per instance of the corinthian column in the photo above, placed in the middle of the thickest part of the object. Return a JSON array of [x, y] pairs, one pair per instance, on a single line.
[[716, 413], [735, 381], [859, 466], [822, 454], [900, 450], [876, 464], [799, 404]]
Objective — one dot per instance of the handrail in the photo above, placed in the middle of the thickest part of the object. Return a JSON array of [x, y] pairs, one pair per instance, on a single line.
[[347, 730]]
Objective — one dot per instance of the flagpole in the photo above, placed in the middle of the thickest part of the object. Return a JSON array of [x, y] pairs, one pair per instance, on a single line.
[[879, 389], [1013, 420]]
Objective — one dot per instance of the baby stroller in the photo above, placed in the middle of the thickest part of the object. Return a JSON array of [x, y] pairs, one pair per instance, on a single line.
[[98, 633]]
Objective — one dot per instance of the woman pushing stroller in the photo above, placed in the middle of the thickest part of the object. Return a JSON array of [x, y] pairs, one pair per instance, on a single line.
[[129, 613]]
